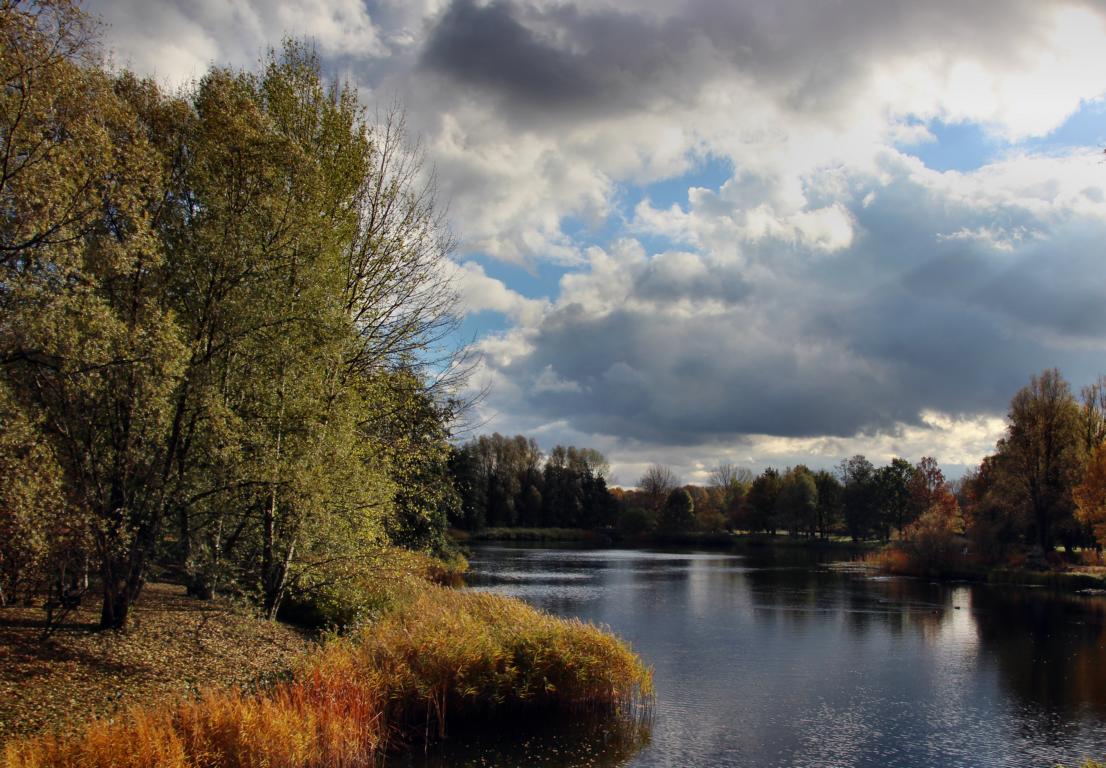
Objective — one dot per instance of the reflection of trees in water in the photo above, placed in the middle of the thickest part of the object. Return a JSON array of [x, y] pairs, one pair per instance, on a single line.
[[1049, 649], [895, 605], [546, 743]]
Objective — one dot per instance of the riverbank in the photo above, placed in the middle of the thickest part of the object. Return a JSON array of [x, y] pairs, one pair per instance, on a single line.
[[703, 539], [1083, 579], [440, 656]]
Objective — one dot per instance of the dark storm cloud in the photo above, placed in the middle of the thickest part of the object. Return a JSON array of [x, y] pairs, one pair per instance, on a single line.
[[576, 57], [488, 47], [902, 321]]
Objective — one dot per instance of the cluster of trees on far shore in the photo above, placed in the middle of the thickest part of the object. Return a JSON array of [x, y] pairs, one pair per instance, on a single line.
[[507, 481], [1044, 488], [220, 310]]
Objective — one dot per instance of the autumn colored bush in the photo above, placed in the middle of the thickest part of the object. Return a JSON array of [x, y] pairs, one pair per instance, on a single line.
[[890, 559], [442, 656]]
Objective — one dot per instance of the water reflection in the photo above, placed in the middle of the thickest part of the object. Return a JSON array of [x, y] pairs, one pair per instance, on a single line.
[[769, 658], [554, 743]]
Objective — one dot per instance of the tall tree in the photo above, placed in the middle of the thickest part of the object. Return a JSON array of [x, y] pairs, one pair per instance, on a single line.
[[678, 513], [860, 496], [86, 340], [894, 483], [1090, 495], [657, 483], [760, 502], [830, 494], [797, 502], [1043, 450]]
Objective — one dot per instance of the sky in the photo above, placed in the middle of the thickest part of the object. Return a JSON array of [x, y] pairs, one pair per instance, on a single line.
[[762, 233]]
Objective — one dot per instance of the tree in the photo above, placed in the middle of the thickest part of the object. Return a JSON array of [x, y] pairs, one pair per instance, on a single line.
[[797, 502], [85, 339], [726, 475], [1043, 450], [58, 153], [932, 537], [678, 513], [894, 484], [1090, 495], [925, 487], [34, 524], [657, 483], [731, 483], [860, 496], [1093, 402], [830, 493], [224, 309], [993, 519], [760, 502]]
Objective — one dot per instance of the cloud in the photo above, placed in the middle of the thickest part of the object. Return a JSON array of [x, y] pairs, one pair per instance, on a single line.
[[478, 293], [903, 332], [832, 293]]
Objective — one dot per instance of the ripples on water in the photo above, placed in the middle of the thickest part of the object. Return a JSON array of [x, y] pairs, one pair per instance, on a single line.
[[771, 659]]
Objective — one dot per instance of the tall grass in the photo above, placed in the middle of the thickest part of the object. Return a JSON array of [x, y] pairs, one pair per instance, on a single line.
[[445, 656]]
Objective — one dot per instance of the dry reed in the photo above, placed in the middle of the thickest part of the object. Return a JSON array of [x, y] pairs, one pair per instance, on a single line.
[[444, 656]]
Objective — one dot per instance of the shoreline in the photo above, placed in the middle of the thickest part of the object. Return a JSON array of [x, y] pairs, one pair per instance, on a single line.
[[613, 538], [442, 656]]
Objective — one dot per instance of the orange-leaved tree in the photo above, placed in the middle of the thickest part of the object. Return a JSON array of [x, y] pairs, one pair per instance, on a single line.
[[1090, 494]]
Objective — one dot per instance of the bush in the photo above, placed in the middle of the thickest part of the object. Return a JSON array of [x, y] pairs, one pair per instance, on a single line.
[[635, 521], [934, 542], [342, 596]]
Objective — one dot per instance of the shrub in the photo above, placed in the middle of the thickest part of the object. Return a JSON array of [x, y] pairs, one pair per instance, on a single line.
[[635, 521], [343, 595], [934, 543]]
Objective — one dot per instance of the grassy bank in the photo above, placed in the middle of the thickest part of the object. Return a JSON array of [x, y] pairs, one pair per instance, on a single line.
[[443, 656]]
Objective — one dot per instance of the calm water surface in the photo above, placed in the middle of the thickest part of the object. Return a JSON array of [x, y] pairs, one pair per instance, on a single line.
[[772, 659]]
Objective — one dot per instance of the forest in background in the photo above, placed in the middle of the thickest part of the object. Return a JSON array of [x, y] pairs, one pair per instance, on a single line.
[[1043, 489]]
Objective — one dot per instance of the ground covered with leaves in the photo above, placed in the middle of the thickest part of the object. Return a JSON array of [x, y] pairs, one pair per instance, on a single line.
[[176, 646]]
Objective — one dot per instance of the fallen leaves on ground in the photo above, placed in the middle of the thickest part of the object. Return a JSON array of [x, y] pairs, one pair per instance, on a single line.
[[176, 645]]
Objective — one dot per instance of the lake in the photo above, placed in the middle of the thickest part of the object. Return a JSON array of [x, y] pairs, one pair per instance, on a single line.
[[772, 658]]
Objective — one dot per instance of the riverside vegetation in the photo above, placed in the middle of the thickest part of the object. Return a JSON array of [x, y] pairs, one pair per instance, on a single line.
[[435, 655], [1033, 511], [226, 363]]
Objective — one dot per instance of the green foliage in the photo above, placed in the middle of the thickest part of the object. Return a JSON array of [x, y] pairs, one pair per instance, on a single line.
[[34, 530], [760, 502], [634, 521], [678, 513], [506, 482], [861, 496], [1044, 450], [797, 502], [830, 499], [894, 481], [220, 313]]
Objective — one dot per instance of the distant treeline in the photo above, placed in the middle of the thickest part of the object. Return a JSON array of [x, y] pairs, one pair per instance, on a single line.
[[1042, 489], [508, 482]]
